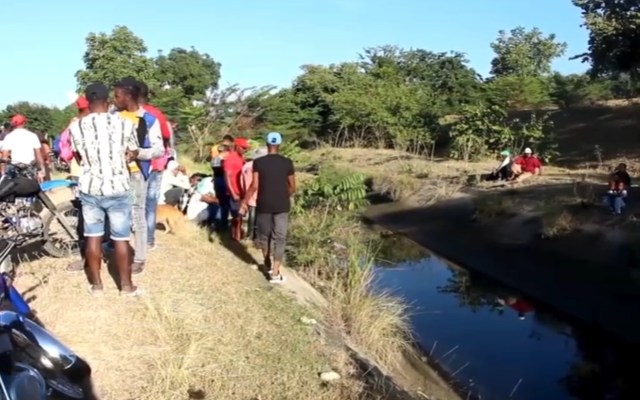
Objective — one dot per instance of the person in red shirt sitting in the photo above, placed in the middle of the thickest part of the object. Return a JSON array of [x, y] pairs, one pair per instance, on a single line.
[[233, 163], [526, 166]]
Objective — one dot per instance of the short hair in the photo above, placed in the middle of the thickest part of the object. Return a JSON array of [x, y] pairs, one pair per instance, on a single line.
[[129, 85], [227, 137], [6, 125], [144, 90]]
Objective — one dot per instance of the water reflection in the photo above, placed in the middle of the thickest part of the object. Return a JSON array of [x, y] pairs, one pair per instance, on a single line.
[[497, 343]]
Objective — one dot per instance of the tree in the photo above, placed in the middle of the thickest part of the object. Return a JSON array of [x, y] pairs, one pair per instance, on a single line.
[[193, 72], [525, 53], [39, 117], [110, 57], [515, 92], [447, 78], [614, 36]]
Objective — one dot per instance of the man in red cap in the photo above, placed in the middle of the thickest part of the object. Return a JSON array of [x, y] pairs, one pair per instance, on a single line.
[[22, 146], [232, 166]]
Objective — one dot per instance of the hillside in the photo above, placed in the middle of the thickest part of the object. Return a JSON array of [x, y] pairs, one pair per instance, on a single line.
[[615, 129]]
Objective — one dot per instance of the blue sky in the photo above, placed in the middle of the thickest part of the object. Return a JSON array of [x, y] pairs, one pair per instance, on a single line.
[[262, 42]]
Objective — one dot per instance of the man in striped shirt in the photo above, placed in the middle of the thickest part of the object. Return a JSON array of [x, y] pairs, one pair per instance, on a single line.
[[102, 144]]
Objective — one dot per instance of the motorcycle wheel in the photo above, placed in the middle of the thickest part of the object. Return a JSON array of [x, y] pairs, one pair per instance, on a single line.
[[68, 247]]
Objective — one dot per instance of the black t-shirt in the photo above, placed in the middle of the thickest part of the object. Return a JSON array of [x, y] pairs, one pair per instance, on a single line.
[[273, 171], [622, 176]]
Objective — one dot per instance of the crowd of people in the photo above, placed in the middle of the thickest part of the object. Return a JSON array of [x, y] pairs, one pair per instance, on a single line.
[[121, 153]]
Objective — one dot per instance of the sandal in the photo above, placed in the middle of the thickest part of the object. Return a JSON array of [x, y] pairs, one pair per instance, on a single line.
[[95, 290]]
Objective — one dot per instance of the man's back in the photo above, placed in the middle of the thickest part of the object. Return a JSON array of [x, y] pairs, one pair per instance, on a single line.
[[21, 143], [101, 140], [273, 171]]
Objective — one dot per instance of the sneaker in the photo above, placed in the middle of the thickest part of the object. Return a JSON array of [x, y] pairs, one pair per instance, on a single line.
[[151, 247], [137, 268], [277, 279], [75, 266], [137, 292], [95, 290]]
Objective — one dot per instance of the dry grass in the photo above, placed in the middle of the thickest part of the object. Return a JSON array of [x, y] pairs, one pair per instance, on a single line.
[[558, 222], [209, 326], [401, 175], [374, 320]]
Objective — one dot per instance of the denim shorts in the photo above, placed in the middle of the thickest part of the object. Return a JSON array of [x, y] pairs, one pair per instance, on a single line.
[[117, 209]]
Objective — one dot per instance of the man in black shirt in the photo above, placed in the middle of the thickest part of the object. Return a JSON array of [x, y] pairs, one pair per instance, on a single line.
[[274, 181]]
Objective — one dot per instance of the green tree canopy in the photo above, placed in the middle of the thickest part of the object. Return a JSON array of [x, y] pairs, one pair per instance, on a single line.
[[193, 72], [614, 36], [110, 57], [525, 53], [39, 117]]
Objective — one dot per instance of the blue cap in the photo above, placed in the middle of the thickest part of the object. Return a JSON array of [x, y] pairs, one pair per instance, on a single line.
[[274, 138]]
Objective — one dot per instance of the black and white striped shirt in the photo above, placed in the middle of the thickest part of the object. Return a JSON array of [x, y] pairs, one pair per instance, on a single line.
[[101, 140]]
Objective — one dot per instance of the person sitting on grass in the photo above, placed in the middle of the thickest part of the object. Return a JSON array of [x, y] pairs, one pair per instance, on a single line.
[[202, 205], [504, 170], [174, 183], [619, 181], [526, 165]]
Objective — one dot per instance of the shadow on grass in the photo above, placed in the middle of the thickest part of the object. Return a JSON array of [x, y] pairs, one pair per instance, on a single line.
[[238, 249]]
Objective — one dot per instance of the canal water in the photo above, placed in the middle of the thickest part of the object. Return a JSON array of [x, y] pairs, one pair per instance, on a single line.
[[496, 344]]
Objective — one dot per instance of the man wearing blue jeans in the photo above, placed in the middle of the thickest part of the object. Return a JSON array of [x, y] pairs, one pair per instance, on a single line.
[[144, 182], [102, 144]]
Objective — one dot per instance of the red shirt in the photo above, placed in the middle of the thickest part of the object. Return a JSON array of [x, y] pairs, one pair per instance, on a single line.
[[162, 120], [232, 166], [528, 164], [160, 163], [521, 307]]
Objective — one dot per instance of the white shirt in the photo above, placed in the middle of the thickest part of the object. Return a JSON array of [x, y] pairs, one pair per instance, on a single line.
[[22, 144], [504, 163], [198, 210], [101, 140], [169, 181]]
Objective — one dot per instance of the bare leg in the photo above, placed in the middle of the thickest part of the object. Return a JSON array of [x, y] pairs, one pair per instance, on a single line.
[[93, 259], [122, 256]]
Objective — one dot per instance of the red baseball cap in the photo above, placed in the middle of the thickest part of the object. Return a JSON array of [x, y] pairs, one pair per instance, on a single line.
[[82, 103], [18, 120], [241, 142]]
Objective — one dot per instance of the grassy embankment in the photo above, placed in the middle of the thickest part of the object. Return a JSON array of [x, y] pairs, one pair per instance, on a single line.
[[211, 327], [592, 140]]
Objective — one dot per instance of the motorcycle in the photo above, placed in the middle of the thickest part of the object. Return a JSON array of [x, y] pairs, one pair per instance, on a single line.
[[58, 164], [34, 364], [26, 210]]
